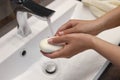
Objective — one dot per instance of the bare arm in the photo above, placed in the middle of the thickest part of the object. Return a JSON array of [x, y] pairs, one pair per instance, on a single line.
[[108, 50], [110, 20]]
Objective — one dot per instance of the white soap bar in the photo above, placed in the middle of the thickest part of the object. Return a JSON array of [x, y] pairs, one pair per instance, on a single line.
[[48, 48]]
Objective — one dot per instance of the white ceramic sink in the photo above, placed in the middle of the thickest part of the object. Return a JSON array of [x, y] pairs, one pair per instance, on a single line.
[[20, 58]]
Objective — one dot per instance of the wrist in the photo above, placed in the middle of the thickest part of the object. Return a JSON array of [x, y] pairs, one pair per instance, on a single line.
[[92, 41], [100, 23], [89, 41]]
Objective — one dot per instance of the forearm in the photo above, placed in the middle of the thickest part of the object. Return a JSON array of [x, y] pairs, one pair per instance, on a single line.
[[108, 50], [110, 20]]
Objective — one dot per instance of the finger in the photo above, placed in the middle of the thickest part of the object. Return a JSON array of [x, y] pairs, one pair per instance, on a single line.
[[58, 40], [52, 55], [64, 26], [68, 25], [43, 52], [67, 31], [60, 53]]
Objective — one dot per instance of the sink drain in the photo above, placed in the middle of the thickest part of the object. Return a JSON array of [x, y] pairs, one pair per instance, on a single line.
[[50, 67], [24, 52]]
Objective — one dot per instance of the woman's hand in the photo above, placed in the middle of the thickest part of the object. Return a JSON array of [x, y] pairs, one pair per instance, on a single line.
[[74, 43], [81, 26]]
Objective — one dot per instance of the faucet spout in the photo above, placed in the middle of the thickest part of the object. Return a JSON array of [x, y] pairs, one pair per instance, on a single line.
[[23, 7], [23, 26]]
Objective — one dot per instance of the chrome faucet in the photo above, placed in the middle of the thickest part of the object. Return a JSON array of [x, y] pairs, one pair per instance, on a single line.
[[22, 8]]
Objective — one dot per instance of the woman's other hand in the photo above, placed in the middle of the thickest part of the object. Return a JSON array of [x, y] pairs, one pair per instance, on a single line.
[[81, 26]]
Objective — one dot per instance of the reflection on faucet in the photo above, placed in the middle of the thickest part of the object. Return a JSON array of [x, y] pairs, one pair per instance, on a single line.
[[23, 7]]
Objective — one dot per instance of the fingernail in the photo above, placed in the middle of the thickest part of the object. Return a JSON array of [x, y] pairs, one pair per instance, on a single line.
[[50, 40], [61, 33]]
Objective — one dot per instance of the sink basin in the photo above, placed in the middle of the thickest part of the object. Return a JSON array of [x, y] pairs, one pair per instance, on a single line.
[[20, 58]]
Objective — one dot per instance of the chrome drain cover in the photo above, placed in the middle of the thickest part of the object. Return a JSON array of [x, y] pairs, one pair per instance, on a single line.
[[50, 67]]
